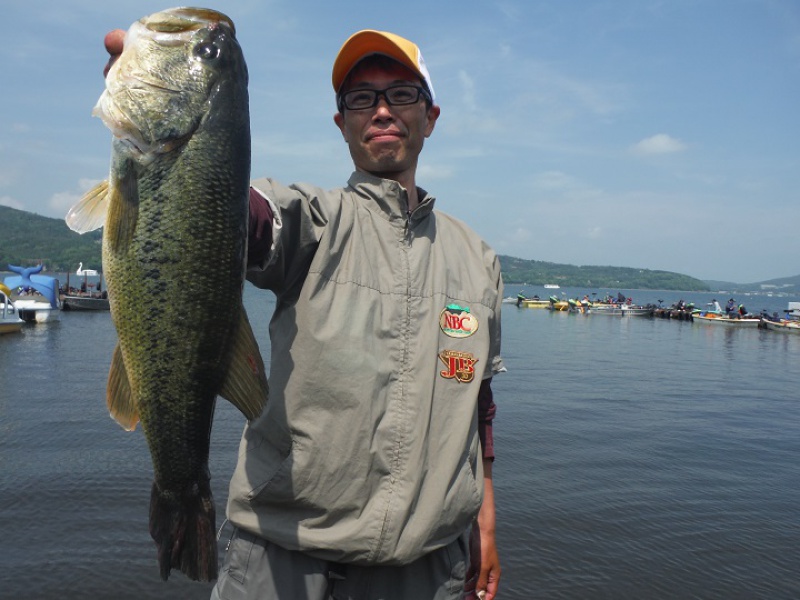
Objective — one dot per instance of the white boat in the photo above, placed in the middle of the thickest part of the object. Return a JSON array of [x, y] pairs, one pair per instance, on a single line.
[[793, 312], [621, 310], [717, 319], [784, 325], [9, 319], [36, 311], [551, 286]]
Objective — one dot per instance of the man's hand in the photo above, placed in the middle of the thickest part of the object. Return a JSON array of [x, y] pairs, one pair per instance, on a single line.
[[483, 575], [113, 41]]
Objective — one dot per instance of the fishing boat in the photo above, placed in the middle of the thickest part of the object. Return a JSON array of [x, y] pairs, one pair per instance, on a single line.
[[783, 325], [523, 301], [9, 319], [793, 312], [558, 305], [87, 302], [535, 303], [85, 298], [713, 318], [621, 310]]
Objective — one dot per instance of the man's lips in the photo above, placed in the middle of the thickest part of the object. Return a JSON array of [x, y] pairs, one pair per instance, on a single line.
[[383, 135]]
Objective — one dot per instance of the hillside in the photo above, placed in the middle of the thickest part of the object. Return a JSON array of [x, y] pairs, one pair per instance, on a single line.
[[534, 272], [27, 239]]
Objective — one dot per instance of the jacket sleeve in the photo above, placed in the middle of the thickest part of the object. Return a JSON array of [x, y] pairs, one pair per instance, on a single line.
[[286, 225], [259, 233], [486, 411], [486, 405]]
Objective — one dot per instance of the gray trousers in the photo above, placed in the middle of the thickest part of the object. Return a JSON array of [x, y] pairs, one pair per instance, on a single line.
[[255, 569]]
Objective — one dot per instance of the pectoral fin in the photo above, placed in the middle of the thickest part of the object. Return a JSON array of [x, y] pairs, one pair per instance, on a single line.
[[246, 384], [123, 208], [90, 211], [120, 401]]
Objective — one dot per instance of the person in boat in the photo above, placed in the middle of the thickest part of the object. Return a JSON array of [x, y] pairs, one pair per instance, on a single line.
[[730, 308], [715, 306], [372, 460], [742, 311]]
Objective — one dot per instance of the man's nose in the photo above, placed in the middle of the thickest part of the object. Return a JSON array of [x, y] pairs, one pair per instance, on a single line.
[[382, 108]]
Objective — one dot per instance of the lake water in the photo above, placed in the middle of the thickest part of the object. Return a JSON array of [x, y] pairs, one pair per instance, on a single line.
[[637, 458]]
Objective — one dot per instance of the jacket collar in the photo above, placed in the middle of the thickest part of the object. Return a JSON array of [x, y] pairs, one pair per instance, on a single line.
[[390, 197]]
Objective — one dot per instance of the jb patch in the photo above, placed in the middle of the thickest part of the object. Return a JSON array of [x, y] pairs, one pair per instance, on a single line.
[[457, 322], [458, 365]]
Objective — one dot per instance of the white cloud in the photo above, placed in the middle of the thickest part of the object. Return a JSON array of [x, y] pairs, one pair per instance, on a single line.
[[553, 180], [659, 144], [468, 90]]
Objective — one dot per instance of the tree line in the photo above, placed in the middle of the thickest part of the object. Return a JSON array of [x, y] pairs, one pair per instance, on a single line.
[[27, 239]]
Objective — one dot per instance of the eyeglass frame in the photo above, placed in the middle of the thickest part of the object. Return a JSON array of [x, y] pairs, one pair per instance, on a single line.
[[421, 92]]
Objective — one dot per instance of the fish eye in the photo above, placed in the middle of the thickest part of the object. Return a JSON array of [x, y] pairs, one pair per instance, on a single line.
[[206, 51]]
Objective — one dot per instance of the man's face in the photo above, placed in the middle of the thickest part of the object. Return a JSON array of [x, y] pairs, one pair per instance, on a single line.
[[386, 140]]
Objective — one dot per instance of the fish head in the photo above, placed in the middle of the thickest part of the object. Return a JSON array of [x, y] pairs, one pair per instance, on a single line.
[[164, 84]]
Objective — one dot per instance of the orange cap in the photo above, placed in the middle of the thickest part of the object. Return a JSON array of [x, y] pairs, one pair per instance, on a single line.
[[369, 41]]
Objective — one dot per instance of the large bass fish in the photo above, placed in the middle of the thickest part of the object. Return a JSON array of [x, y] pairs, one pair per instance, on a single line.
[[175, 211]]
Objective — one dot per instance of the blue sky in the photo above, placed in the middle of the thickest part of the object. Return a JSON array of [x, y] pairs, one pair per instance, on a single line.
[[648, 134]]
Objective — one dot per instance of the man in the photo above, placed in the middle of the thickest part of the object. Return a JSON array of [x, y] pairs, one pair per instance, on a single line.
[[364, 472]]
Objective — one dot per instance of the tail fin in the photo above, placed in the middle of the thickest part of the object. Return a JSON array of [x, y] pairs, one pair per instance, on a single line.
[[184, 532]]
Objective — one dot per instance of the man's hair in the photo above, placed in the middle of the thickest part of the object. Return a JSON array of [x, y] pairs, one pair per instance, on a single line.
[[379, 61]]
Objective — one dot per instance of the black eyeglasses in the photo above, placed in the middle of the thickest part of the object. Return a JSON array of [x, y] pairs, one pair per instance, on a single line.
[[396, 95]]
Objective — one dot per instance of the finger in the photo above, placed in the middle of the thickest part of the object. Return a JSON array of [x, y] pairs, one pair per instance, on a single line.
[[113, 42], [483, 580], [491, 589]]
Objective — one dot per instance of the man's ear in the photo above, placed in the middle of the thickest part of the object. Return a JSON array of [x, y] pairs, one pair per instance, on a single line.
[[338, 118], [433, 113]]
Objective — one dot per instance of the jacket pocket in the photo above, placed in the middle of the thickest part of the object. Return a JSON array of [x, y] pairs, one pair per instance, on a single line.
[[269, 470]]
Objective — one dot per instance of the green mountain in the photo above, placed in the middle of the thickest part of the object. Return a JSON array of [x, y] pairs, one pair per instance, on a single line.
[[535, 272], [27, 239]]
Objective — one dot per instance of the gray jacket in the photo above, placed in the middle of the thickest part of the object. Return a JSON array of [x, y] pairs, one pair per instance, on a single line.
[[385, 324]]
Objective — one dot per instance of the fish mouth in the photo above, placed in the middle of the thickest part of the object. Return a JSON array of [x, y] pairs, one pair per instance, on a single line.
[[185, 20]]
